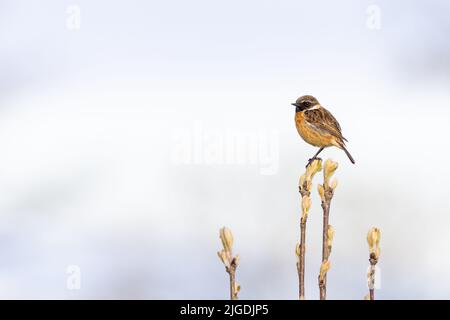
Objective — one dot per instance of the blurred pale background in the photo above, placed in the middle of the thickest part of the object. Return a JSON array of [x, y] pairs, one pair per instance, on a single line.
[[131, 131]]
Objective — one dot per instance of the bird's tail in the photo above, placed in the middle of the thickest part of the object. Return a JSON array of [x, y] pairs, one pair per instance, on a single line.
[[348, 154]]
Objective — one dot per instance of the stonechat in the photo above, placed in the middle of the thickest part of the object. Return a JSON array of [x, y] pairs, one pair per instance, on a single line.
[[317, 126]]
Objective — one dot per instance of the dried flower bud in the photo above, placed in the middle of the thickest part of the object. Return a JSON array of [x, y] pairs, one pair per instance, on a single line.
[[329, 169], [227, 239], [324, 267], [321, 192]]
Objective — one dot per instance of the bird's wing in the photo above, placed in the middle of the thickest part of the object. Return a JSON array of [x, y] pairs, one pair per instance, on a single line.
[[322, 119]]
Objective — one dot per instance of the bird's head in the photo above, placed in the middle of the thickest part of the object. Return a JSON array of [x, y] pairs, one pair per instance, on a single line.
[[304, 103]]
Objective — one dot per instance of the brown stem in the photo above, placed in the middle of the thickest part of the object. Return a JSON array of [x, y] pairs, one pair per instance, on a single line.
[[233, 294], [373, 261], [232, 272], [301, 263], [326, 215], [301, 267], [325, 251]]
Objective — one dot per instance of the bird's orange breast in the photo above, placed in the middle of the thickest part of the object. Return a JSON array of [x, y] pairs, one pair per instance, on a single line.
[[310, 134]]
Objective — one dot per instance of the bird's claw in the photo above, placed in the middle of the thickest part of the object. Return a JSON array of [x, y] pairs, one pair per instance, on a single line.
[[311, 160]]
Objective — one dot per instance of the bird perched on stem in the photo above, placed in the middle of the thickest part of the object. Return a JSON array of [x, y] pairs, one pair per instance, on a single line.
[[317, 126]]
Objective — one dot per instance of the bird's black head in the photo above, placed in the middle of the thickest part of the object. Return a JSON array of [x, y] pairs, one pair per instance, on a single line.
[[304, 103]]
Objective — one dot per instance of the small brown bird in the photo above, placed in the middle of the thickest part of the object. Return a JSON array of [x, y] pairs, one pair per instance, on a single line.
[[317, 126]]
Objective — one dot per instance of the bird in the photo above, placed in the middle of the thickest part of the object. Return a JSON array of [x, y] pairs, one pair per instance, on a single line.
[[317, 126]]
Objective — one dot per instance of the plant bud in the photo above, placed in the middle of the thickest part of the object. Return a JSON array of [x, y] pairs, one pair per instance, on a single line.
[[376, 236], [370, 239], [301, 182], [223, 257], [377, 253], [334, 183], [227, 239], [324, 267], [297, 250], [313, 168], [237, 259], [328, 171], [373, 238], [330, 236], [308, 185], [306, 204], [321, 192]]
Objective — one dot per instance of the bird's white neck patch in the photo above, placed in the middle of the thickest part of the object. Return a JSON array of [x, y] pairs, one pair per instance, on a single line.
[[317, 106]]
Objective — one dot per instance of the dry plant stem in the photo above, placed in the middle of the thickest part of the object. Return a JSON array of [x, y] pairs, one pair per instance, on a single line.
[[373, 261], [325, 250], [301, 270], [373, 240], [305, 184], [230, 262], [301, 264], [232, 272]]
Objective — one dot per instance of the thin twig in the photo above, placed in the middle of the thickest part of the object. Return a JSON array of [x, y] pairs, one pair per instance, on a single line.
[[373, 261], [301, 263], [305, 185], [373, 240], [325, 255], [233, 285], [231, 262], [325, 250], [326, 192]]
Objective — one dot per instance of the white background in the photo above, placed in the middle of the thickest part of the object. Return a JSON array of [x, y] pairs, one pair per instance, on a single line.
[[88, 117]]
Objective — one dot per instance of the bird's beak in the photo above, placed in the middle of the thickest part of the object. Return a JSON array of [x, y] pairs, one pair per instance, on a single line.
[[295, 104]]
